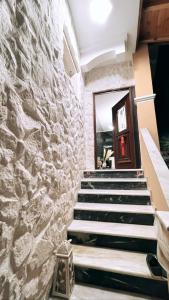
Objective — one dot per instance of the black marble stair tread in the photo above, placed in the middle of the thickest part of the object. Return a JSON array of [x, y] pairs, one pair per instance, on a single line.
[[137, 209], [136, 197], [115, 213], [110, 260], [113, 229], [114, 183]]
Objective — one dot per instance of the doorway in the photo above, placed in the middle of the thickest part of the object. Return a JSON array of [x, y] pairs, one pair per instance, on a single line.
[[159, 61], [115, 130]]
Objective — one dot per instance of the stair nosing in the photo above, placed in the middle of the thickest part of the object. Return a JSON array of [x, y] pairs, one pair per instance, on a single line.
[[109, 233], [115, 192], [120, 208], [84, 264], [129, 180], [114, 170], [100, 291]]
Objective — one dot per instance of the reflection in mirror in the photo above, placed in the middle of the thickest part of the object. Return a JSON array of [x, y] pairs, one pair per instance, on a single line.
[[104, 148]]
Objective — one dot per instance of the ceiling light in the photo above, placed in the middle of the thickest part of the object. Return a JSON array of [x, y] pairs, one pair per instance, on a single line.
[[100, 10]]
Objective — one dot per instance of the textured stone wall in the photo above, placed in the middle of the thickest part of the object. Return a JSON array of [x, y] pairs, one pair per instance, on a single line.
[[113, 76], [41, 145]]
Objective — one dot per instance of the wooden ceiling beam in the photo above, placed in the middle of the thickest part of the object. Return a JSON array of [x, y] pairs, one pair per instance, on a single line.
[[156, 7], [155, 24], [147, 3]]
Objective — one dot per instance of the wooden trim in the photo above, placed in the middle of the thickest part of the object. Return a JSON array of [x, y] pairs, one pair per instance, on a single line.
[[131, 101], [154, 22], [130, 161], [158, 40], [156, 7], [113, 90], [94, 112], [147, 3], [145, 98], [136, 130], [139, 22]]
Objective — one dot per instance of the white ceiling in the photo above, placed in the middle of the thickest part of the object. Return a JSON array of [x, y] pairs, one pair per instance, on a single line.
[[98, 40], [103, 104]]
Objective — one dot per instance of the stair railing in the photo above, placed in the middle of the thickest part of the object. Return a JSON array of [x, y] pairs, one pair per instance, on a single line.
[[156, 171], [157, 174]]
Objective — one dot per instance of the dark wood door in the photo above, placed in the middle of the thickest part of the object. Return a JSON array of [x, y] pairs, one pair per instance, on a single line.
[[124, 143]]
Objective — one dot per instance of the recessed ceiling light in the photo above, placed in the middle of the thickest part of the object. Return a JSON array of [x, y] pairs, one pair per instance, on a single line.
[[100, 10]]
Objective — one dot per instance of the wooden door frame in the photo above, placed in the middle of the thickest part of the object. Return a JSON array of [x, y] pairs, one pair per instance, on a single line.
[[133, 115], [129, 161]]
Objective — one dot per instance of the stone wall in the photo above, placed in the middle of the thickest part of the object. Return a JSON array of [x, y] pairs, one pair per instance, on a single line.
[[41, 145], [113, 76]]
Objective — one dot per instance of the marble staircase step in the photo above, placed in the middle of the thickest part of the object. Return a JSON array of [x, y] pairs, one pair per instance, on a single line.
[[91, 292], [136, 197], [118, 213], [132, 237], [114, 183], [122, 270], [123, 173]]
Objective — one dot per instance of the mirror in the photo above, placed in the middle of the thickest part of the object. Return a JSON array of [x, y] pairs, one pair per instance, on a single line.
[[104, 149]]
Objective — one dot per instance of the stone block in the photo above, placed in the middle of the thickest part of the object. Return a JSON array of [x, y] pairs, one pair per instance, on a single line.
[[41, 144], [6, 235], [9, 210], [21, 249], [43, 249], [30, 290]]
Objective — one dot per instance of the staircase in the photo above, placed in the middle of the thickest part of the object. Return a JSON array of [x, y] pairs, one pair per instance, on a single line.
[[111, 233]]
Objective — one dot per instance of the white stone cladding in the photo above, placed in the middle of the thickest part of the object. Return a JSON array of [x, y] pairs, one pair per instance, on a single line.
[[113, 76], [41, 145]]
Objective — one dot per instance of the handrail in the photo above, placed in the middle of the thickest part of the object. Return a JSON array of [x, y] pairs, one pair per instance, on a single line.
[[163, 217], [157, 163]]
